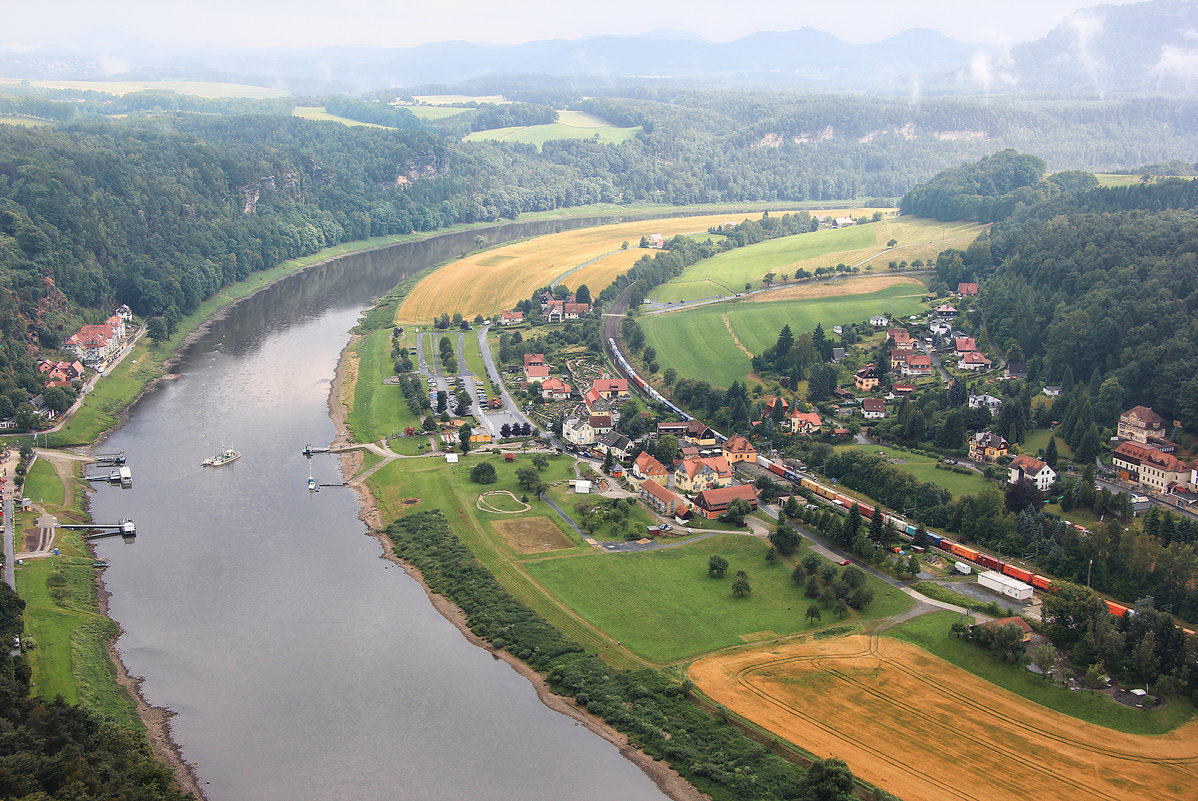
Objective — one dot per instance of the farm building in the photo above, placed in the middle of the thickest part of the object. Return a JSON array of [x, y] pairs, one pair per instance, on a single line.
[[714, 502]]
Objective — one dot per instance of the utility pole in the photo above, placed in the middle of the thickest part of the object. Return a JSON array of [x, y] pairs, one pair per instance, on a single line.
[[1088, 571]]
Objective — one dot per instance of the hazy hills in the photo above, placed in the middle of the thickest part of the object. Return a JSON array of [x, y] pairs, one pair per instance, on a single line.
[[1146, 47]]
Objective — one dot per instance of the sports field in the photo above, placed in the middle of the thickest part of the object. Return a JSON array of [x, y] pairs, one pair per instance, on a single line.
[[663, 606], [569, 125], [200, 88], [858, 245], [925, 730], [490, 281], [699, 343]]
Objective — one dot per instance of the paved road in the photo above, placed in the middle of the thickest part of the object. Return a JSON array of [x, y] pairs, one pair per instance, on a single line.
[[511, 413], [10, 547]]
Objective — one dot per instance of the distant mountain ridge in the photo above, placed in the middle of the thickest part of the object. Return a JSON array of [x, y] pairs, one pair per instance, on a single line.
[[1144, 47]]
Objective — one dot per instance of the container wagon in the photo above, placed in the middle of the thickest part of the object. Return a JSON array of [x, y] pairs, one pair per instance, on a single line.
[[988, 561], [1042, 582], [1017, 572], [967, 553]]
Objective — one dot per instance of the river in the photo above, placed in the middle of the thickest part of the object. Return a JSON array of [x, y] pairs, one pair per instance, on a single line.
[[300, 664]]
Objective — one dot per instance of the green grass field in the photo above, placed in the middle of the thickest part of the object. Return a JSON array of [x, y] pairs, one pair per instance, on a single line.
[[42, 484], [1037, 441], [1112, 179], [664, 606], [728, 272], [26, 122], [636, 521], [570, 125], [70, 636], [923, 468], [697, 343], [378, 409], [931, 632]]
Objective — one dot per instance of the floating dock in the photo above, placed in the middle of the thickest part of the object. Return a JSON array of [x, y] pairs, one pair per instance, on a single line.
[[124, 528], [109, 458], [309, 450]]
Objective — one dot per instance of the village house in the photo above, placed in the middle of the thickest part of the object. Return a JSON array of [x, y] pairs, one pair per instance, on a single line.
[[660, 499], [697, 433], [1031, 468], [899, 356], [578, 431], [940, 328], [901, 337], [700, 473], [610, 388], [1024, 627], [974, 361], [598, 405], [576, 311], [837, 355], [600, 424], [714, 502], [945, 312], [738, 449], [804, 422], [654, 241], [555, 389], [535, 368], [646, 466], [511, 318], [986, 446], [774, 402], [842, 222], [1052, 390], [866, 379], [1016, 370], [1139, 424], [967, 290], [873, 408], [965, 345], [39, 407], [554, 310], [986, 401], [878, 321], [60, 371], [902, 389], [918, 365], [676, 428], [616, 444]]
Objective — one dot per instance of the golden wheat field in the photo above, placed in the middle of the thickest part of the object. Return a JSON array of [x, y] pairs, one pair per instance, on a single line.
[[926, 730], [488, 282]]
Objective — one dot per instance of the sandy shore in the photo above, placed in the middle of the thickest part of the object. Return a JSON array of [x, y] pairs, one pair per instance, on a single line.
[[666, 778]]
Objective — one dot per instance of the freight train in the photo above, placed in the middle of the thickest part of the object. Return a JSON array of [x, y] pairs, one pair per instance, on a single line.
[[644, 386], [907, 531]]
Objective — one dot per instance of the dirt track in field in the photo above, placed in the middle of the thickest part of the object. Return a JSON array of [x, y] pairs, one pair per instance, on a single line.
[[853, 286], [928, 731]]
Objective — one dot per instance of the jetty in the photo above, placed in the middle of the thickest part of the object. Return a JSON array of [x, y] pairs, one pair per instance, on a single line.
[[309, 450], [125, 528], [120, 475], [117, 457]]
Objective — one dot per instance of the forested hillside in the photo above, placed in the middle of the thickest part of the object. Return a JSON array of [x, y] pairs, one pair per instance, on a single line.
[[162, 209]]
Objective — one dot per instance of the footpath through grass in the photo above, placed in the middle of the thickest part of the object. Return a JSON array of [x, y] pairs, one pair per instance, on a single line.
[[931, 632]]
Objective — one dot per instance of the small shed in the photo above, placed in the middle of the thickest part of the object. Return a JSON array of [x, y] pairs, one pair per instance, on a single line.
[[581, 486], [451, 458], [509, 457]]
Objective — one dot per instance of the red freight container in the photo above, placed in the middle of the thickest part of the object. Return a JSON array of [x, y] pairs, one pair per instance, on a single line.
[[1041, 581], [776, 467], [988, 560], [1017, 572], [1118, 610]]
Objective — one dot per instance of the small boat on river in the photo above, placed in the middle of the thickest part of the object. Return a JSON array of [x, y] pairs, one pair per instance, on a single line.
[[224, 457]]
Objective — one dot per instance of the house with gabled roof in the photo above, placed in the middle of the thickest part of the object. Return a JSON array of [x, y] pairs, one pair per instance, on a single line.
[[660, 499], [965, 345], [867, 378], [873, 408], [555, 389], [535, 368], [703, 472], [738, 449], [919, 364], [646, 466], [713, 503], [1031, 468], [974, 361], [1139, 423], [511, 318], [986, 446], [967, 290], [804, 422], [900, 336]]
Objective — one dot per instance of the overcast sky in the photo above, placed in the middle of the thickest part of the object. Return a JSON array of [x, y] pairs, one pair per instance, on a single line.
[[263, 24]]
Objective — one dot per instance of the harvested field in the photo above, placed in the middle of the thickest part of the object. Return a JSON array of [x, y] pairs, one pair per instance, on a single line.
[[830, 289], [532, 535], [493, 280], [925, 730]]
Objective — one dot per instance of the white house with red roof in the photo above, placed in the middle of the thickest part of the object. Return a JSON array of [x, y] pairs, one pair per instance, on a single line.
[[555, 389], [974, 361], [511, 318], [1031, 468], [804, 422], [535, 368], [95, 344]]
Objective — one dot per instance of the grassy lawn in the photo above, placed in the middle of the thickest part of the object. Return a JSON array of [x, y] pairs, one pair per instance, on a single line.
[[931, 632], [435, 112], [42, 484], [924, 469], [697, 343], [378, 409], [474, 358], [410, 446], [1037, 441], [70, 656], [663, 605]]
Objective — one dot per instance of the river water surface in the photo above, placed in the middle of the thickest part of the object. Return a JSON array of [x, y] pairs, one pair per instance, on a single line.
[[301, 665]]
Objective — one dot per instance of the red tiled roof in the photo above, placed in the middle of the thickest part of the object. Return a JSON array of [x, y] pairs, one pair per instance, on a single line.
[[657, 490], [1028, 464], [717, 498], [647, 464], [738, 444]]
